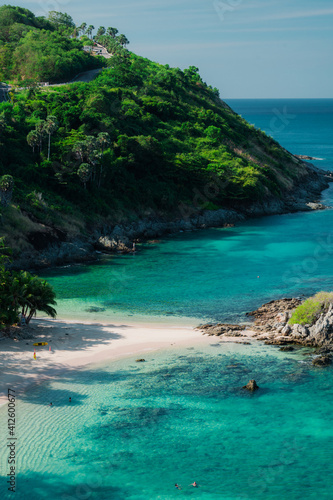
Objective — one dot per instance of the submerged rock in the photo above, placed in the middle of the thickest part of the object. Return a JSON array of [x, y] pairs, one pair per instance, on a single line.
[[322, 361], [251, 386], [140, 360], [287, 348]]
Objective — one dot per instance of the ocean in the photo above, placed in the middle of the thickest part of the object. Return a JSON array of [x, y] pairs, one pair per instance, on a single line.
[[134, 430]]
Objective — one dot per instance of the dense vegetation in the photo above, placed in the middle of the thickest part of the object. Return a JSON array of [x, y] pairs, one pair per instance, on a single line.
[[38, 49], [22, 294], [308, 312], [140, 137]]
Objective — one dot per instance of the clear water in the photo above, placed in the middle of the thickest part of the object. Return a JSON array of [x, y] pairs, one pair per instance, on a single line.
[[133, 430], [213, 274]]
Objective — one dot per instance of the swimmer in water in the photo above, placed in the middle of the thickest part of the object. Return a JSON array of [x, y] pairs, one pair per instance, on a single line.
[[178, 487], [195, 484]]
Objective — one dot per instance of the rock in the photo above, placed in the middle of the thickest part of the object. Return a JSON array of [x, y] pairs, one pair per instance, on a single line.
[[316, 206], [275, 314], [279, 341], [322, 361], [286, 330], [223, 329], [251, 386], [287, 348], [140, 360], [299, 331]]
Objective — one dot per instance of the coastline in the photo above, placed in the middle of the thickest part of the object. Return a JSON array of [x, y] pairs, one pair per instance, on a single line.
[[74, 345], [55, 248]]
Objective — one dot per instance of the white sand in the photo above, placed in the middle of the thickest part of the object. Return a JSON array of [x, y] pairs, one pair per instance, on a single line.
[[74, 345]]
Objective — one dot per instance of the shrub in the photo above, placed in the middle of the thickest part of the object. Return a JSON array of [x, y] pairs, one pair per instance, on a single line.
[[308, 312]]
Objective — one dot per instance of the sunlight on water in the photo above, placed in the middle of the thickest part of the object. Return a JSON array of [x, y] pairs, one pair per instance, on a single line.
[[132, 431]]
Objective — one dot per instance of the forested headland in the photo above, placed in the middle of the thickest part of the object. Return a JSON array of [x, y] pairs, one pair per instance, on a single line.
[[140, 138]]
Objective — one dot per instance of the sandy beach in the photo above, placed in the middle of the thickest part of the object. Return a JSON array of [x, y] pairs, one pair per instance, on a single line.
[[73, 345]]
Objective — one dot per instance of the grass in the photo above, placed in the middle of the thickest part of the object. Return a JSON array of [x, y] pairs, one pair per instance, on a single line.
[[308, 312]]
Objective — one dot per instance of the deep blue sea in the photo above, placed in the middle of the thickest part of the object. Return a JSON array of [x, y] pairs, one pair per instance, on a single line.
[[133, 431]]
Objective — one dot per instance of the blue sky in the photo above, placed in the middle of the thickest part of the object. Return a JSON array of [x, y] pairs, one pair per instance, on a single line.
[[246, 48]]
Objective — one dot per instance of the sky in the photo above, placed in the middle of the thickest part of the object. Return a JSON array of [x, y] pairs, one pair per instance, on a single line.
[[245, 48]]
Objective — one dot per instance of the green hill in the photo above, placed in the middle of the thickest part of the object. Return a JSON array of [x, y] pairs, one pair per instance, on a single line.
[[38, 49], [139, 138]]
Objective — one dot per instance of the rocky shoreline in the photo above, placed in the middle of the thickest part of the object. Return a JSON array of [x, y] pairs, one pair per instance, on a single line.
[[271, 325], [52, 247]]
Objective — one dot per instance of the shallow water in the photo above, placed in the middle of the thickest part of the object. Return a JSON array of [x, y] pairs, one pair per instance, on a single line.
[[219, 274], [133, 430]]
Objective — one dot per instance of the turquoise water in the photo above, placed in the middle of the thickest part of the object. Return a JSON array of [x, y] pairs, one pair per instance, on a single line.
[[133, 431], [213, 274]]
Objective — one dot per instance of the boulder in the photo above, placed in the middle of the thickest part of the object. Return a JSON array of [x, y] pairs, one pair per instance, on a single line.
[[251, 386], [286, 330], [322, 361], [299, 331], [141, 360]]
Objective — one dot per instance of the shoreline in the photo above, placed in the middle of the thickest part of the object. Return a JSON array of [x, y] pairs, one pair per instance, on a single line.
[[74, 345], [59, 249]]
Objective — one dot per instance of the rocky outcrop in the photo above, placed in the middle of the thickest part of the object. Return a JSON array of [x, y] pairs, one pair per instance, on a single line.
[[223, 329], [271, 325], [251, 386]]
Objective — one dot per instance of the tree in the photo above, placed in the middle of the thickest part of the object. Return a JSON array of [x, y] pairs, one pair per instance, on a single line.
[[82, 28], [84, 172], [32, 139], [103, 141], [6, 189], [38, 296], [112, 32], [123, 40], [60, 20], [40, 130], [90, 29], [51, 126], [100, 31]]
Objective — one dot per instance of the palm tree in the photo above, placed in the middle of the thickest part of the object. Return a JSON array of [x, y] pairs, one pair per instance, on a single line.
[[51, 126], [100, 31], [90, 29], [32, 139], [123, 40], [82, 28], [84, 172], [6, 189], [40, 129], [39, 296], [103, 140], [112, 32]]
